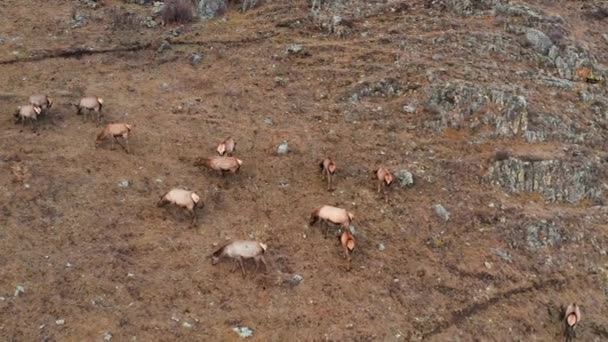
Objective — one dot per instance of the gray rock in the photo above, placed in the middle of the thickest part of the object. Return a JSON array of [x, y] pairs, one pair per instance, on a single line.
[[157, 7], [247, 5], [19, 290], [268, 121], [503, 254], [555, 180], [210, 9], [2, 40], [283, 148], [243, 331], [124, 184], [196, 59], [187, 325], [441, 212], [295, 280], [381, 246], [539, 41], [164, 45], [455, 104], [295, 49], [150, 22], [107, 336], [405, 178], [409, 109], [543, 234], [60, 322], [164, 85]]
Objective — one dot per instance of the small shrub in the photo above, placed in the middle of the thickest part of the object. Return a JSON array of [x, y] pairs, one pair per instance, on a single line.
[[177, 12], [121, 19]]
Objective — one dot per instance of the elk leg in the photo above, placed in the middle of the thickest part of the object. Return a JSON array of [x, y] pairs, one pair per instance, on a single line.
[[265, 264], [379, 186], [257, 265], [127, 143], [119, 143], [242, 266], [234, 265], [194, 218]]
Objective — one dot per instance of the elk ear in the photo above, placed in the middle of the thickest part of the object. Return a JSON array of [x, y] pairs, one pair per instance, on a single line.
[[221, 148], [37, 110], [332, 168], [264, 246], [388, 178], [100, 100], [239, 161]]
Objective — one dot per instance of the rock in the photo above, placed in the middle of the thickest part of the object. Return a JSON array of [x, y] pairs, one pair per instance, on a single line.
[[295, 49], [488, 264], [464, 105], [150, 22], [107, 336], [247, 5], [60, 322], [268, 121], [295, 280], [409, 109], [539, 41], [556, 180], [441, 212], [543, 234], [405, 178], [19, 290], [605, 35], [2, 40], [385, 87], [283, 148], [381, 246], [187, 325], [78, 20], [164, 45], [503, 254], [164, 85], [243, 331], [124, 184], [210, 9], [157, 7], [196, 59]]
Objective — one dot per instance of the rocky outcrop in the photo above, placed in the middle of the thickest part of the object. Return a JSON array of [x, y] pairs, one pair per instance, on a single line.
[[461, 105], [556, 180]]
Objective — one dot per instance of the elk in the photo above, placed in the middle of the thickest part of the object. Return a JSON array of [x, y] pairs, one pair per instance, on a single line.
[[115, 131], [30, 112], [89, 104], [239, 250], [226, 147], [186, 199], [43, 101], [328, 170], [348, 244], [221, 164], [327, 213], [572, 316], [385, 179]]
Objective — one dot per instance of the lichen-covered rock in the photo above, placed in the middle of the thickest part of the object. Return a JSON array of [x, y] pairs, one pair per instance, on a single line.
[[210, 9], [539, 41], [461, 105], [556, 180], [383, 88], [406, 179], [543, 234]]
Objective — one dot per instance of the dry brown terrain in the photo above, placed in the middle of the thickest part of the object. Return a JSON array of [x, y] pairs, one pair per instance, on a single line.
[[104, 259]]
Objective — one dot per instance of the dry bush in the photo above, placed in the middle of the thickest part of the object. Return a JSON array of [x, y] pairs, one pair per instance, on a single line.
[[122, 19], [177, 11]]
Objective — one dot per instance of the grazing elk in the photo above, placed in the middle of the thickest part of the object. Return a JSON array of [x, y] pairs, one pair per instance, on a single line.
[[115, 131], [328, 170], [348, 244], [221, 164], [226, 147], [186, 199], [90, 104], [239, 250], [572, 316], [327, 213], [385, 179], [29, 112]]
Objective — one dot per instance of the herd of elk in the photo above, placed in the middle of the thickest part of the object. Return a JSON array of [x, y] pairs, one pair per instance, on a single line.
[[226, 162]]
